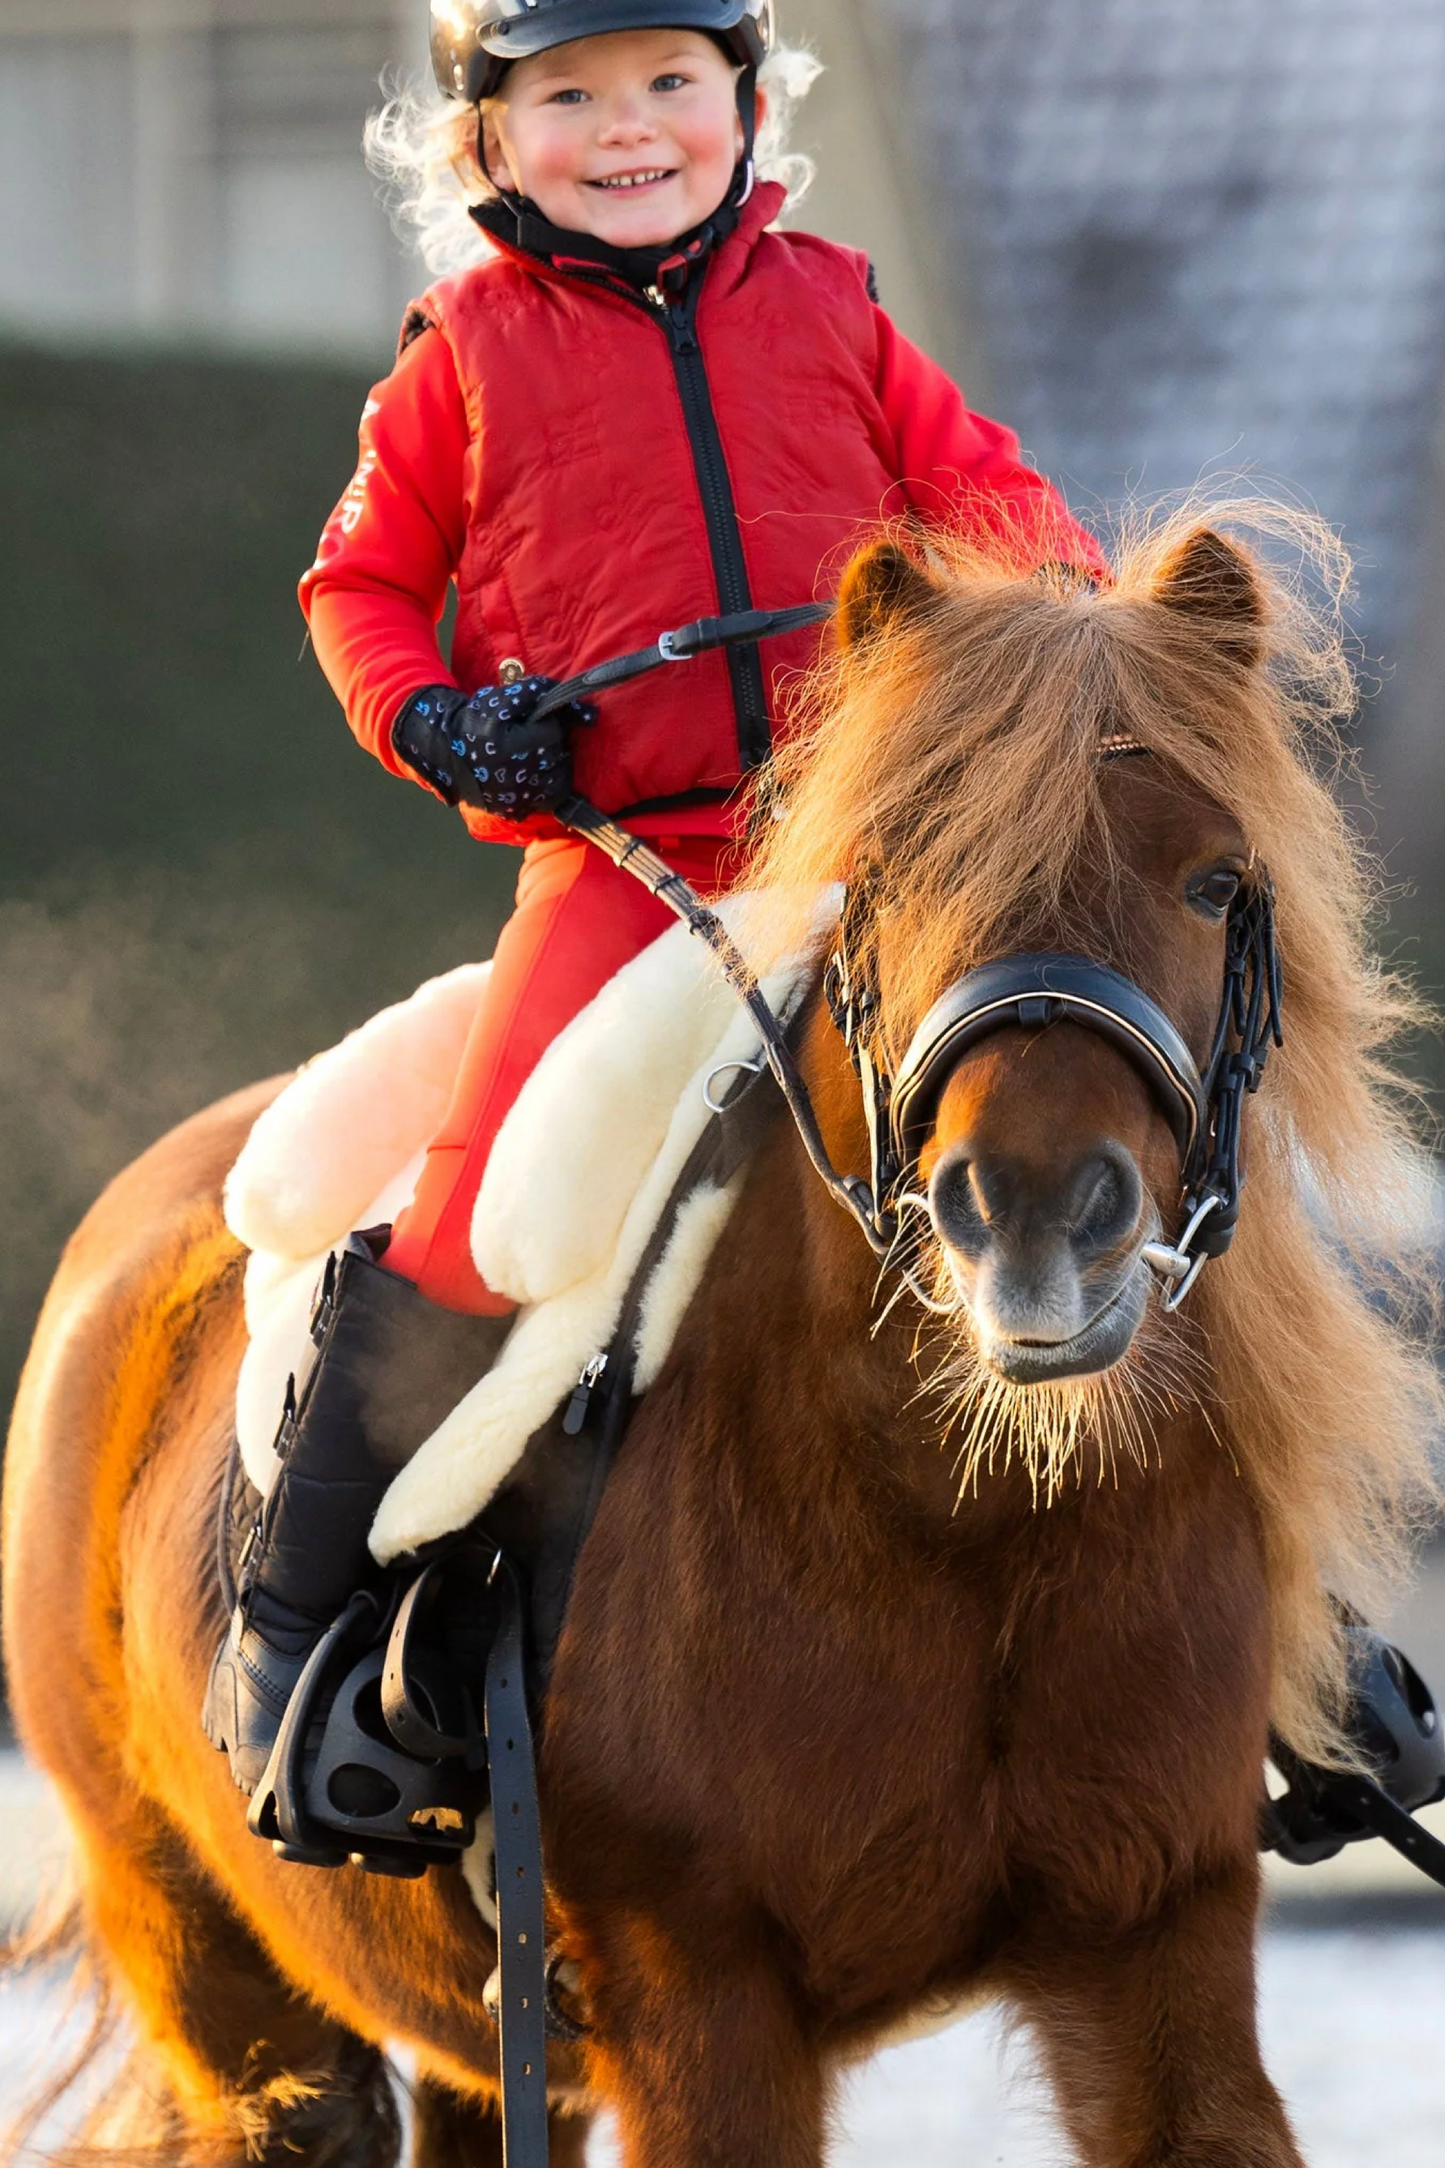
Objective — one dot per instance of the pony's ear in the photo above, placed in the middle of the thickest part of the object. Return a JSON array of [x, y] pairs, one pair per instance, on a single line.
[[882, 588], [1209, 579]]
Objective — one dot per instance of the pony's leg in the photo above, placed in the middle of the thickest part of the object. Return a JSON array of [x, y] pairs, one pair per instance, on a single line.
[[705, 2071], [231, 2066], [450, 2132], [1151, 2042]]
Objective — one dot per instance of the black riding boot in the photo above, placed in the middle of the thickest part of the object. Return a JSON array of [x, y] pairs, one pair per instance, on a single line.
[[389, 1366]]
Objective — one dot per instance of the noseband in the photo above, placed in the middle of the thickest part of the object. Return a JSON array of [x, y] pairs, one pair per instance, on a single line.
[[1030, 992]]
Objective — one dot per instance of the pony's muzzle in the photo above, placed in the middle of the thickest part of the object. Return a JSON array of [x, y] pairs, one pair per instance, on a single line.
[[1045, 1254]]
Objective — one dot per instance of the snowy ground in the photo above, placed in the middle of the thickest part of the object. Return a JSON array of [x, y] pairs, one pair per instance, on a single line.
[[1352, 2010], [1353, 2019]]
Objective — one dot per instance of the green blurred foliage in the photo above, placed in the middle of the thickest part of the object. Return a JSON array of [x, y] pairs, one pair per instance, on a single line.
[[202, 878]]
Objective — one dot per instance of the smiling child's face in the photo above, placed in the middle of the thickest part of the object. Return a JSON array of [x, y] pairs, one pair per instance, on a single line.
[[633, 137]]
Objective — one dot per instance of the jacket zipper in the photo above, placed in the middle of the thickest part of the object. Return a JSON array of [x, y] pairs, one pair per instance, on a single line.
[[750, 706], [678, 322]]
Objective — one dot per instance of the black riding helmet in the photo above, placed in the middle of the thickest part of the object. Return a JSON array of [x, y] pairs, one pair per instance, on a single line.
[[474, 41]]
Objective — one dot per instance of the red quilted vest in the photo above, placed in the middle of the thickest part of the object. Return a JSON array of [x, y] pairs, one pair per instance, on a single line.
[[587, 532]]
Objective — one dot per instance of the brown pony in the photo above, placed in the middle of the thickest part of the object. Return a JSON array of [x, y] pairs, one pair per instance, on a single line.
[[845, 1724]]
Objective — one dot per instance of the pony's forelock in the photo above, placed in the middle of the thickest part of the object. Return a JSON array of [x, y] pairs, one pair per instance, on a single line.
[[422, 148], [955, 764]]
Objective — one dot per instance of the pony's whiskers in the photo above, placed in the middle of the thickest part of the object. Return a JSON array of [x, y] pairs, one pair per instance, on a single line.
[[1064, 1431], [943, 1298]]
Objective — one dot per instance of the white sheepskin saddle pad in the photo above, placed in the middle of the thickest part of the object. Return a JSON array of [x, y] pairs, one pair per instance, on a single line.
[[578, 1177]]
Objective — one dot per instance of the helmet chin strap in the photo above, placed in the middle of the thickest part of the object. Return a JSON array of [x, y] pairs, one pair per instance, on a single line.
[[746, 174]]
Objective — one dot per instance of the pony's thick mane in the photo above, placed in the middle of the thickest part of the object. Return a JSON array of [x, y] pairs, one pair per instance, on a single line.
[[955, 762]]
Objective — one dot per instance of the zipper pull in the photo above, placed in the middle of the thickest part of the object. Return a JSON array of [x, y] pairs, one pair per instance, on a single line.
[[325, 1309], [285, 1436], [681, 310], [579, 1407]]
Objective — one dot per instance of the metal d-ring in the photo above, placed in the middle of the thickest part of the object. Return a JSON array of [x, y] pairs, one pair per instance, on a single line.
[[1179, 1263], [755, 1067]]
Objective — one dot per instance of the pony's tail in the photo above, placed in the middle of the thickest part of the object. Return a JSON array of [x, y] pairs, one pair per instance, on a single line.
[[107, 2103]]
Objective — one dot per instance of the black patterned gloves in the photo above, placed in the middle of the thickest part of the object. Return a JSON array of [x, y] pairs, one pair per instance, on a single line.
[[487, 751]]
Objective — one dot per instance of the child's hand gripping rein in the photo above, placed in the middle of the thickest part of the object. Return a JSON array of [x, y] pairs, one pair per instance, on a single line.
[[490, 750]]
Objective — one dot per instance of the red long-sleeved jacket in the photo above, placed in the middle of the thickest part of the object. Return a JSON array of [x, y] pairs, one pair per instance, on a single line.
[[539, 444]]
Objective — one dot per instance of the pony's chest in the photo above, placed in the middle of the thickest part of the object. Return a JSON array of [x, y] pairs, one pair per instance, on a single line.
[[936, 1810], [907, 1766]]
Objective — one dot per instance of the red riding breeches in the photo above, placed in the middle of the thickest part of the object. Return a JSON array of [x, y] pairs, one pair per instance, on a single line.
[[578, 920]]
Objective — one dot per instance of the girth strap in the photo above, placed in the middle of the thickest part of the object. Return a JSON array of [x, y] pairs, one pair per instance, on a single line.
[[742, 1119]]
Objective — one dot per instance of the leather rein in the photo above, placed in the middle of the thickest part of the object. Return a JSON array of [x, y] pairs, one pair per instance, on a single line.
[[1204, 1107]]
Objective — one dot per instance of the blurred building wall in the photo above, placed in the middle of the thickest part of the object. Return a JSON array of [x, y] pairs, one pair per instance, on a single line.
[[1166, 239], [1209, 236], [193, 167], [872, 187], [1163, 237]]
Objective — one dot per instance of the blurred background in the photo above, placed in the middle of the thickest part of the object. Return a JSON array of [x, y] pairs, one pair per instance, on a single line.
[[1165, 239]]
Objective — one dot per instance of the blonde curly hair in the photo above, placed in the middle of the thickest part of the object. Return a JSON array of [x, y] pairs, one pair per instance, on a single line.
[[422, 148]]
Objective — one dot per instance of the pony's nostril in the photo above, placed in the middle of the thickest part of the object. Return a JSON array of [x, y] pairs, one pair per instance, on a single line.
[[1107, 1196], [955, 1205]]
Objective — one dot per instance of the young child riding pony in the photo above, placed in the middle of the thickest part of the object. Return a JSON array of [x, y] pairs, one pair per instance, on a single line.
[[643, 405]]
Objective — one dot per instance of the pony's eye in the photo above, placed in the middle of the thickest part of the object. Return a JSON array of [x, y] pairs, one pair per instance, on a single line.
[[1212, 893]]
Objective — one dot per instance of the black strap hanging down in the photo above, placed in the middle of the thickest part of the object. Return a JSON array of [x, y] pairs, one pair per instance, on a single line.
[[551, 1544], [521, 1926]]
